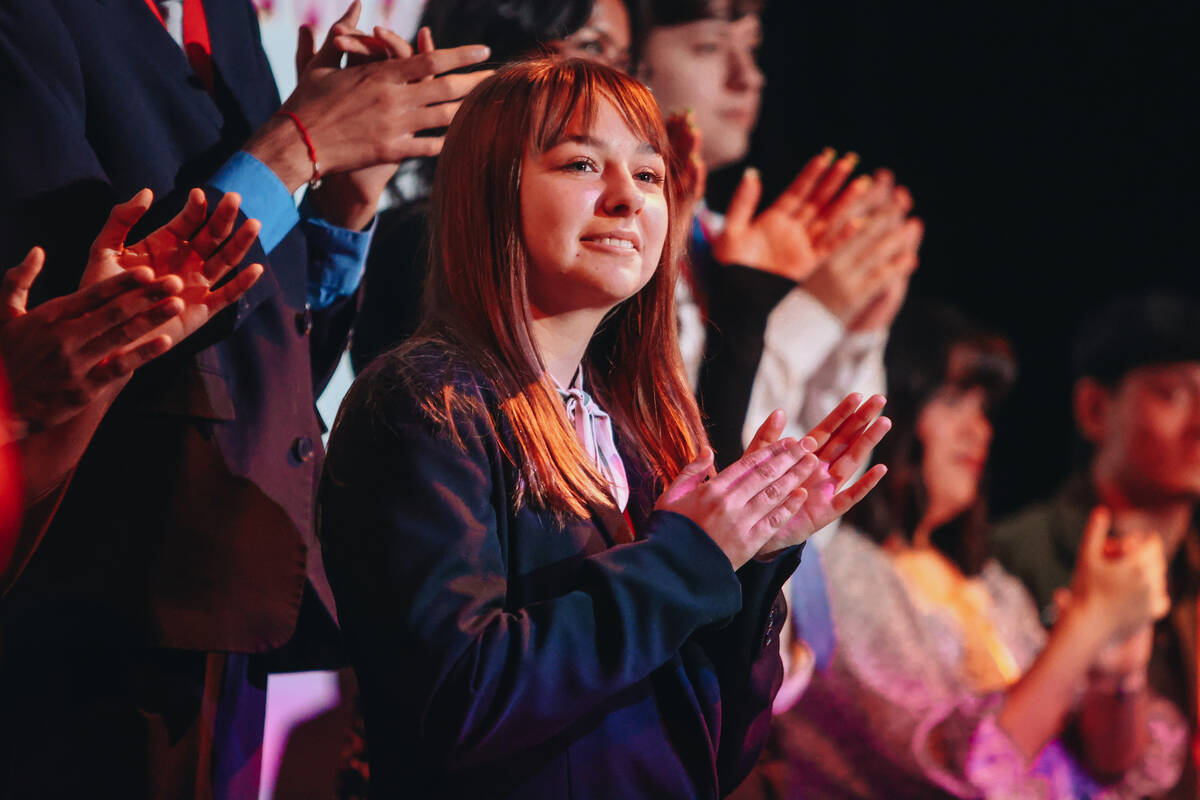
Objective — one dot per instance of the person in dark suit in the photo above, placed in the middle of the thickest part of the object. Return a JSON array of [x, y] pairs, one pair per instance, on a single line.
[[180, 567], [540, 590]]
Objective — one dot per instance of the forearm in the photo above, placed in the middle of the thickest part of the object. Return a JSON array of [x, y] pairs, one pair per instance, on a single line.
[[1036, 707], [1112, 724]]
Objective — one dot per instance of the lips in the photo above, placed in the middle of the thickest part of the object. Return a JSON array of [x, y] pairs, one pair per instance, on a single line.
[[619, 241]]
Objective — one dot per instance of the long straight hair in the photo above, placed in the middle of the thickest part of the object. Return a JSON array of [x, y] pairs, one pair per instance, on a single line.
[[477, 298]]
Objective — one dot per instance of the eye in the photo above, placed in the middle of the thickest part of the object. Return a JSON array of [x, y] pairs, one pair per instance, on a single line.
[[592, 46], [709, 48], [580, 165], [649, 176]]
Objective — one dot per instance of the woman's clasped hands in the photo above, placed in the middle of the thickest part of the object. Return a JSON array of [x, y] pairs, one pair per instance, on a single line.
[[781, 491]]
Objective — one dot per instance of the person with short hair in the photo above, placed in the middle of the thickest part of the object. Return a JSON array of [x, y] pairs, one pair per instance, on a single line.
[[1136, 403]]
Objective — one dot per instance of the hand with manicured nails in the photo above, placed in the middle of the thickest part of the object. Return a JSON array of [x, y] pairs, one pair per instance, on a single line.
[[63, 354], [1120, 583], [363, 115], [793, 235], [199, 253]]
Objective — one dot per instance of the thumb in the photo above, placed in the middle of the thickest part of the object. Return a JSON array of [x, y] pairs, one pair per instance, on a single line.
[[744, 202], [305, 48], [14, 293], [689, 477], [1095, 535], [769, 432], [1062, 601], [122, 219]]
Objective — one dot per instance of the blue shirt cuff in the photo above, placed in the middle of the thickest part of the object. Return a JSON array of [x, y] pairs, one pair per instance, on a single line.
[[264, 197], [337, 257]]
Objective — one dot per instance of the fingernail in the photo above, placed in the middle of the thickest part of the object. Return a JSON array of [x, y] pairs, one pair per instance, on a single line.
[[863, 182], [751, 172], [828, 153], [851, 159]]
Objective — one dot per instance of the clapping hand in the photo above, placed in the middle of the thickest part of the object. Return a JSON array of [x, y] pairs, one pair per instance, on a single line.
[[198, 253], [793, 234], [63, 354]]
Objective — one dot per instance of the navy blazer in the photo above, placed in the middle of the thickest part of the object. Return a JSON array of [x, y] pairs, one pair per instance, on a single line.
[[189, 521], [502, 654]]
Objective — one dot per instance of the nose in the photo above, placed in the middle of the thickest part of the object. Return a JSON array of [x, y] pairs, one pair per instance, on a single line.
[[622, 196], [743, 72]]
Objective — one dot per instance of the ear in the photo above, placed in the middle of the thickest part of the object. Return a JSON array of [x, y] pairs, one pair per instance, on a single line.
[[1092, 402]]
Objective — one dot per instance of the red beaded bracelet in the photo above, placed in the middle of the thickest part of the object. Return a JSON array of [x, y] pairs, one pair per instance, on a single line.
[[315, 181]]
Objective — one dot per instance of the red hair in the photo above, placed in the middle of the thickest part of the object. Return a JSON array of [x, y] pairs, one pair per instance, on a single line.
[[477, 298]]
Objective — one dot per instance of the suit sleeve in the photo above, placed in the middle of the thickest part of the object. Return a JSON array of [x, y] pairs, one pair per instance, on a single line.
[[416, 537]]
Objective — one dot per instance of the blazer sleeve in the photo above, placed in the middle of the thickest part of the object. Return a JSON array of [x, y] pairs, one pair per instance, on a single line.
[[416, 532]]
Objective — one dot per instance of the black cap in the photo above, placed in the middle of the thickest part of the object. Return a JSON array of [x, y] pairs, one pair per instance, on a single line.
[[1154, 327]]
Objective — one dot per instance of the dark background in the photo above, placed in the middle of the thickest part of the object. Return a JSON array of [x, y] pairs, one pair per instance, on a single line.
[[1050, 153]]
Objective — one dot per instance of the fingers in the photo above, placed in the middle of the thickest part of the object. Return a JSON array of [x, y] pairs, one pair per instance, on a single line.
[[751, 474], [124, 363], [834, 419], [305, 48], [690, 477], [744, 202], [769, 432], [231, 254], [14, 293], [437, 62], [189, 219], [81, 302], [130, 324], [796, 195], [827, 188], [1095, 534], [232, 291], [851, 429], [396, 44], [845, 500], [208, 239], [859, 451], [120, 221], [767, 505]]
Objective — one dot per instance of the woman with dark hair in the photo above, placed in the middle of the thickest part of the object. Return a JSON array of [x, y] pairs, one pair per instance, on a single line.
[[942, 681], [540, 591], [598, 30]]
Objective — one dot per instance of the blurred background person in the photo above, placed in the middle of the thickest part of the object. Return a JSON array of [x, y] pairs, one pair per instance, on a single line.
[[1137, 409], [942, 680]]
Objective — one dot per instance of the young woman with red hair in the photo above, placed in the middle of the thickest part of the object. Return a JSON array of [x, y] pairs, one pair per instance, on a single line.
[[542, 592]]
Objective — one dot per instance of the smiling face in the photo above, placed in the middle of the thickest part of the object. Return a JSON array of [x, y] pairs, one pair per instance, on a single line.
[[955, 436], [709, 66], [605, 37], [593, 215]]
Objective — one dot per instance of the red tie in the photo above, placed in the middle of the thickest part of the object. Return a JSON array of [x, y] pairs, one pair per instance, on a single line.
[[196, 44]]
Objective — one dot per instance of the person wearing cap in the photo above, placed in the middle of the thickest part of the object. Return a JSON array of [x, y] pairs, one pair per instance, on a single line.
[[1136, 403]]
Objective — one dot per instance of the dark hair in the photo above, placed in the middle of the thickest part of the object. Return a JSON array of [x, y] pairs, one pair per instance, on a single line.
[[1153, 327], [680, 12], [931, 346]]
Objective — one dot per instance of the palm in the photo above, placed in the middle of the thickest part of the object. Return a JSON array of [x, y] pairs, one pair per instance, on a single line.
[[774, 242], [199, 252]]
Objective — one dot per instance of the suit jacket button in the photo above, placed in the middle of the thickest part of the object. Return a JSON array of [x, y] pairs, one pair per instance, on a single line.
[[302, 449], [304, 322]]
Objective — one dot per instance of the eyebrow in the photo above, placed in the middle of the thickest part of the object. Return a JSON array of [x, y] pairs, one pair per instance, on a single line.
[[591, 141]]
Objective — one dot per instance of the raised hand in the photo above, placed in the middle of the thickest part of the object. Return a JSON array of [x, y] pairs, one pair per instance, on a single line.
[[842, 442], [795, 232], [198, 253], [366, 114], [864, 278], [748, 502], [1121, 583], [65, 353]]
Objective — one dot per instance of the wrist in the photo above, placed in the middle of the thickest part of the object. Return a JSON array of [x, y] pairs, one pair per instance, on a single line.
[[1120, 683], [1087, 624], [279, 146]]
